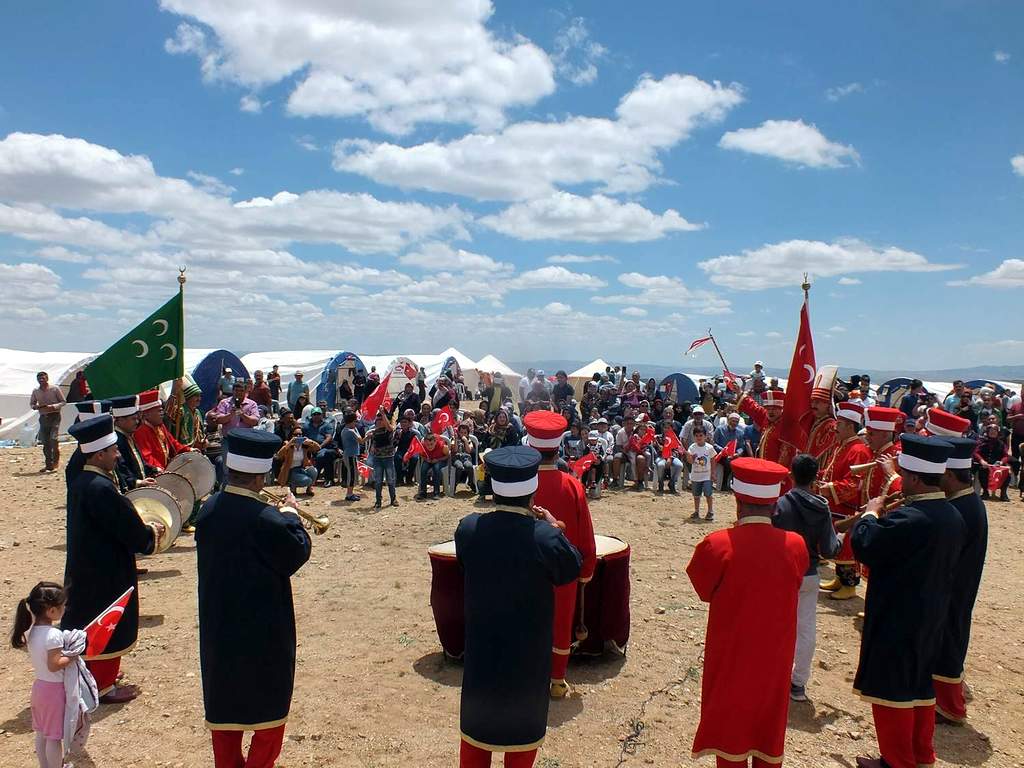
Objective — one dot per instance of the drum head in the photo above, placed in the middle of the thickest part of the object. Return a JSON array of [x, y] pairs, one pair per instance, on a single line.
[[180, 487], [445, 549], [197, 469], [156, 505], [606, 545]]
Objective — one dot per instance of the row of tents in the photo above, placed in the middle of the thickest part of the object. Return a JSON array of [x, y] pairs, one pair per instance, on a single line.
[[324, 370]]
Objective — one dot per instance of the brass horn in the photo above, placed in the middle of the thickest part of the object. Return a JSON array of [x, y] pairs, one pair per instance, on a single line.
[[318, 524]]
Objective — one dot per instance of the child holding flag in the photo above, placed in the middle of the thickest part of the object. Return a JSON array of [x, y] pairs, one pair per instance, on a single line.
[[700, 456]]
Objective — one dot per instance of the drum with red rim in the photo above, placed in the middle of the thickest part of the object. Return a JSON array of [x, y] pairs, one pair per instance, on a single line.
[[602, 604], [447, 599]]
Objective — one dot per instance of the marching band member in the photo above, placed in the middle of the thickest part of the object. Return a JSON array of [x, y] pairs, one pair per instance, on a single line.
[[247, 550], [564, 497], [842, 490], [86, 410], [103, 536], [751, 575], [155, 443], [511, 559], [821, 440], [912, 553], [881, 424], [131, 469], [958, 484], [945, 424], [186, 421], [766, 418]]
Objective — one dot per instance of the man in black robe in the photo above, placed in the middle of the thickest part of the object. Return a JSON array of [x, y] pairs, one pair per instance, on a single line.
[[911, 553], [950, 703], [87, 409], [247, 550], [104, 533], [512, 559], [131, 470]]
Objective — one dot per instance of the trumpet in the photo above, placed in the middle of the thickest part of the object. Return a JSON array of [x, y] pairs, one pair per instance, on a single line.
[[318, 524]]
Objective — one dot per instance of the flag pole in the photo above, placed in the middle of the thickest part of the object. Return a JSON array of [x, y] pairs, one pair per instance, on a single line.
[[807, 288], [178, 390], [725, 367]]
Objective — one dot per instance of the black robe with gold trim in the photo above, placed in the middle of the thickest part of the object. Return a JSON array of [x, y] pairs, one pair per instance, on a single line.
[[104, 535], [911, 553], [130, 469], [511, 563], [247, 552], [966, 581]]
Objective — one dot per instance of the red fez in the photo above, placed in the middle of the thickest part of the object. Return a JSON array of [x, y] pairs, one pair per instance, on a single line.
[[946, 424], [545, 429], [756, 481], [149, 399]]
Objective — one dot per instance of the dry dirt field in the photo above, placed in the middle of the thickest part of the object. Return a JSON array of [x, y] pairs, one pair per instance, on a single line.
[[373, 689]]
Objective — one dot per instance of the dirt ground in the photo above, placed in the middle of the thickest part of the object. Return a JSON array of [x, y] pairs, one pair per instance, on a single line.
[[372, 688]]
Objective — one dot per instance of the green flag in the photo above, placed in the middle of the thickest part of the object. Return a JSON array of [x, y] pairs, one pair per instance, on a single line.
[[148, 355]]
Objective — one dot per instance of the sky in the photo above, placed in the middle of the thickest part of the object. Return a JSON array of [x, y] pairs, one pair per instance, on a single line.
[[532, 180]]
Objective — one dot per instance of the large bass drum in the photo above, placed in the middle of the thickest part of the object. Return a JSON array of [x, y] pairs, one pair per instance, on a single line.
[[197, 469], [156, 505], [180, 487]]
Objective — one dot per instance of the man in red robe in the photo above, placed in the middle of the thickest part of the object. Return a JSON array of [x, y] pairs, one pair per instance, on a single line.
[[842, 488], [881, 426], [152, 438], [766, 418], [821, 440], [751, 575], [564, 497]]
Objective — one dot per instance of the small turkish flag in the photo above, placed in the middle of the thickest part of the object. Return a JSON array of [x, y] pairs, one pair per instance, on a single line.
[[100, 629], [415, 449], [731, 380], [671, 442], [728, 452], [648, 438], [378, 398], [410, 371], [583, 463], [363, 470], [444, 419], [697, 344]]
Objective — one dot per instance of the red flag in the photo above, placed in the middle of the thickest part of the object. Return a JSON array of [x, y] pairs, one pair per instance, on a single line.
[[732, 381], [697, 343], [363, 470], [797, 417], [444, 419], [648, 438], [415, 449], [671, 442], [583, 463], [410, 371], [728, 452], [375, 401], [100, 629], [634, 445]]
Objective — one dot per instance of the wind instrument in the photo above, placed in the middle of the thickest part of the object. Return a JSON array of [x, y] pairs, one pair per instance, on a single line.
[[318, 524], [859, 470]]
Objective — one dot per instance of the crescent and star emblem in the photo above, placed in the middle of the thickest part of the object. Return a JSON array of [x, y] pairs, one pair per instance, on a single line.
[[162, 324], [171, 349], [144, 345], [810, 373]]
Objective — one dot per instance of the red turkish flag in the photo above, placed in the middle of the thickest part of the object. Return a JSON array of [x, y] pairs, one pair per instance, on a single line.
[[376, 400], [671, 442], [731, 380], [100, 629], [697, 343], [444, 419], [726, 453], [583, 463], [797, 417], [648, 438], [410, 371], [415, 449], [363, 470]]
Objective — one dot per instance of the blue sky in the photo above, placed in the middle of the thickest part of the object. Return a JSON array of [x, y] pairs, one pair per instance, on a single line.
[[530, 181]]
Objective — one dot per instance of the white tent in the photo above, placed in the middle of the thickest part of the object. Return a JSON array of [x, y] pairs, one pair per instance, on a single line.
[[18, 370], [312, 363], [588, 370], [491, 364]]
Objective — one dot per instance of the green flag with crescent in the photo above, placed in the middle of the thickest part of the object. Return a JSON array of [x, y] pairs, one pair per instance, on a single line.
[[148, 355]]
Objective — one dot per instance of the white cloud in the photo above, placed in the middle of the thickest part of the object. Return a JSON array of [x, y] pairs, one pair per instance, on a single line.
[[38, 223], [210, 184], [1001, 56], [746, 334], [773, 335], [564, 216], [633, 312], [60, 253], [1009, 274], [554, 278], [849, 281], [28, 282], [571, 258], [251, 104], [792, 141], [783, 264], [530, 159], [662, 290], [307, 143], [841, 91], [576, 55], [437, 257], [237, 171], [837, 329], [1017, 163], [557, 308], [393, 62]]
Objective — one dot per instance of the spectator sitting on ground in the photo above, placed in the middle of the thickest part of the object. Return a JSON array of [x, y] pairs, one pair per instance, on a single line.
[[502, 432], [297, 458], [991, 452], [432, 463], [464, 451], [495, 394], [562, 392]]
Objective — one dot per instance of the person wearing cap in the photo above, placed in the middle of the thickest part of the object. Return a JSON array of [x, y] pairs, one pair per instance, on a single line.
[[297, 386], [187, 424], [86, 409], [821, 439], [247, 549], [881, 478], [104, 533], [944, 424], [912, 552], [765, 416], [511, 559], [131, 470], [155, 442], [750, 574], [948, 677], [756, 379], [564, 497], [841, 487], [225, 382]]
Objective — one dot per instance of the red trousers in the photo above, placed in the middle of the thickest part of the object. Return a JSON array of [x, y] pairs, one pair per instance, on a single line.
[[565, 614], [756, 762], [905, 735], [474, 757], [105, 672], [950, 701], [263, 750]]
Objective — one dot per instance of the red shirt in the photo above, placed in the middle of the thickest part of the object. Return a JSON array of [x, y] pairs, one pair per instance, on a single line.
[[433, 455], [1017, 425], [261, 395]]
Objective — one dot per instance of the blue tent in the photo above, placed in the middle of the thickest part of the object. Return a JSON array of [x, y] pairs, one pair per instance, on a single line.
[[679, 388], [890, 392], [327, 389], [206, 373], [976, 384]]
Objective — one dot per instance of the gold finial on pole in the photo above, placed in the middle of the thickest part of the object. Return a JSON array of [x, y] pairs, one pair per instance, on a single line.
[[181, 275], [806, 286]]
